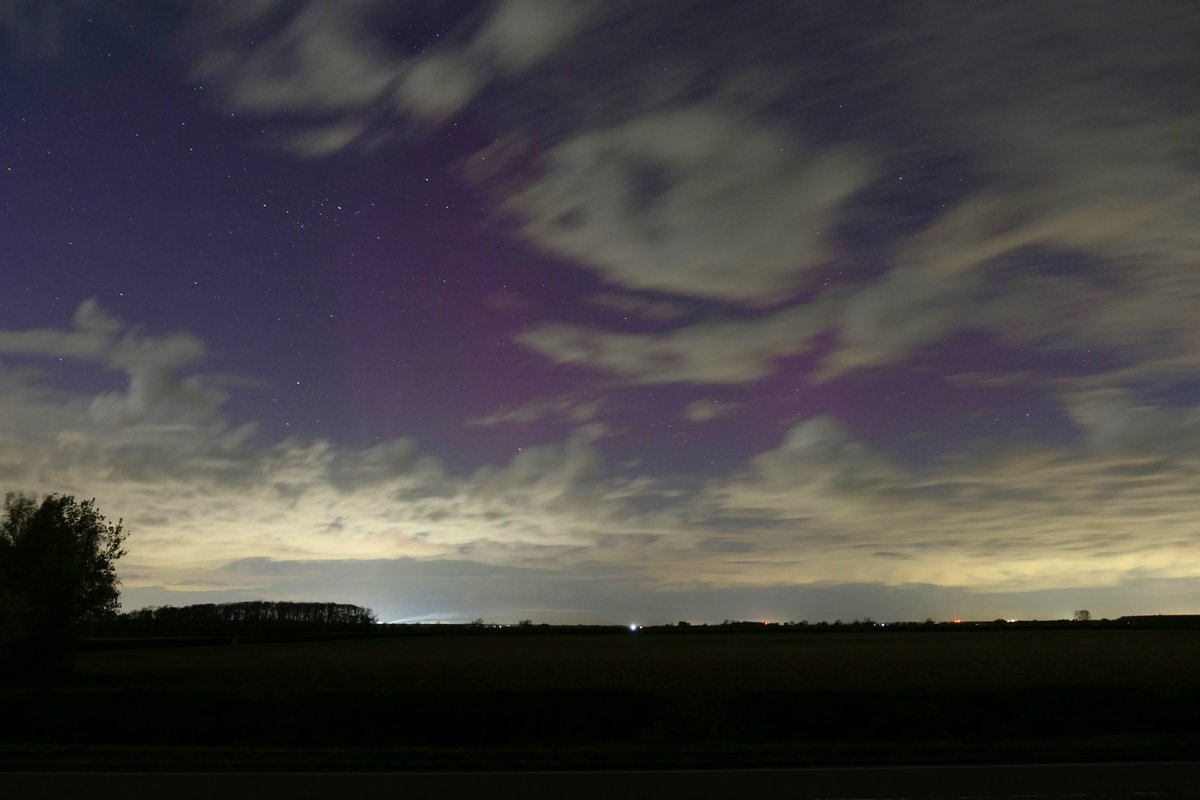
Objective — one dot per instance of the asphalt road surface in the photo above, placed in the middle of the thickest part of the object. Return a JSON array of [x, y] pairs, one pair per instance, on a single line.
[[1040, 782]]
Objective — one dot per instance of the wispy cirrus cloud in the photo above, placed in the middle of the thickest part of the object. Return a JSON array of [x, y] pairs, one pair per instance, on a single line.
[[1079, 228], [717, 351], [570, 408], [338, 64]]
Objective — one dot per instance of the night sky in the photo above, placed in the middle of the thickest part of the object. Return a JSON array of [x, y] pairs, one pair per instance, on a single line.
[[612, 311]]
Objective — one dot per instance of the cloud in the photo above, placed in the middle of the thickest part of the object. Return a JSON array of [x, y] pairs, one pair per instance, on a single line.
[[546, 475], [1082, 229], [328, 139], [96, 338], [1014, 519], [570, 408], [724, 351], [1114, 421], [707, 410], [337, 65], [520, 33], [819, 455], [635, 305], [515, 37], [876, 322], [700, 201], [322, 59], [436, 86], [155, 392]]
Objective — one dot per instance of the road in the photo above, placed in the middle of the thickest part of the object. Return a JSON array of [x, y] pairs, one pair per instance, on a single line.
[[1040, 782]]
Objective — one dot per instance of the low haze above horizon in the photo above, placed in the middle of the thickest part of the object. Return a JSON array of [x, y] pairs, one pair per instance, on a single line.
[[582, 311]]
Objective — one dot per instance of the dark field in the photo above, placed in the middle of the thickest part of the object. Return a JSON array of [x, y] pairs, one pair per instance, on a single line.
[[640, 698]]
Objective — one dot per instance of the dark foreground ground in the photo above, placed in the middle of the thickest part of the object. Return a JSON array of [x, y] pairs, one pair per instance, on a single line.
[[1160, 781], [690, 700]]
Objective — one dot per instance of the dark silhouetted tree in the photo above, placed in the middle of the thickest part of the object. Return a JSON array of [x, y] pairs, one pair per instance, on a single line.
[[1083, 615], [57, 575]]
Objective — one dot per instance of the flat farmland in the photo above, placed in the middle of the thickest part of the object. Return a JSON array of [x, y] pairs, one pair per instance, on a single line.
[[941, 662], [770, 697]]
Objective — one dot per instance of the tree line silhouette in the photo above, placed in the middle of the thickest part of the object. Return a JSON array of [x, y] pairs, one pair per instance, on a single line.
[[253, 616]]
